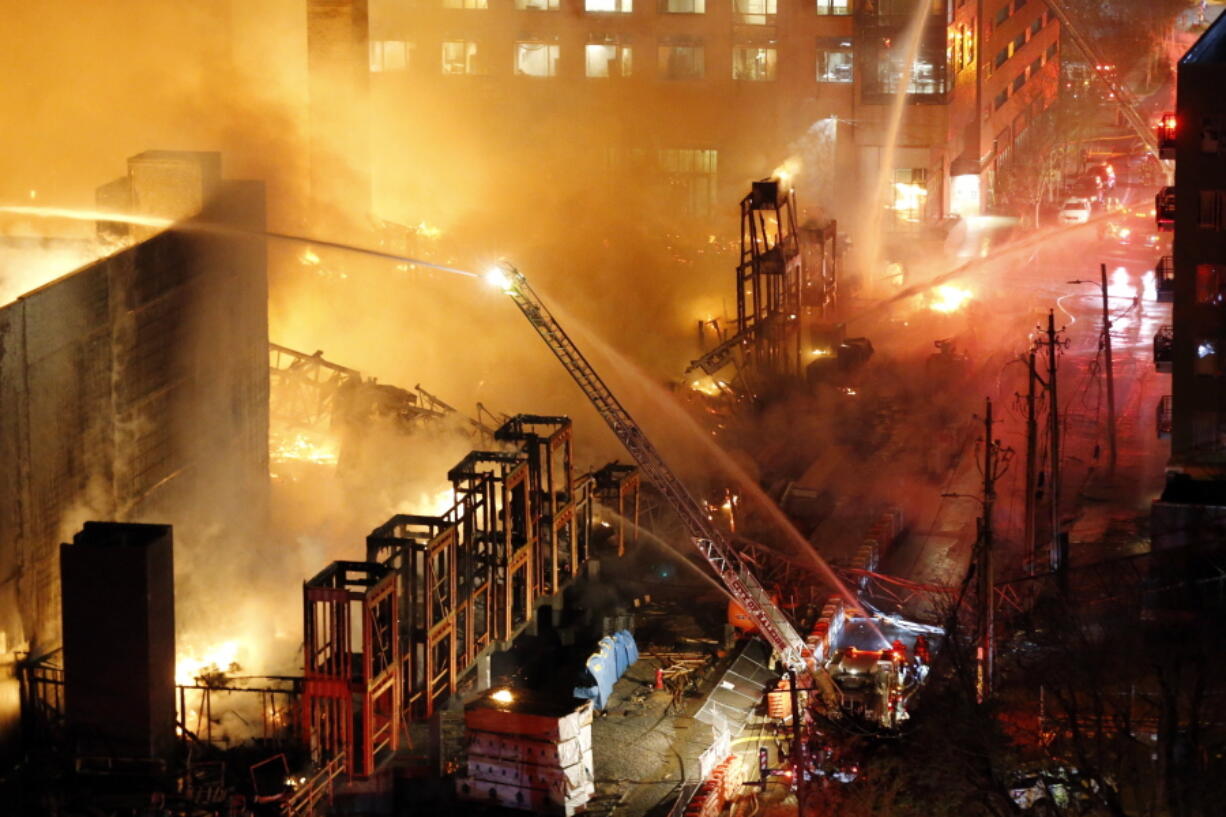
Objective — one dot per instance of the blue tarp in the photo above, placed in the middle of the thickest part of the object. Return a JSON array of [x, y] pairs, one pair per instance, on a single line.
[[632, 649], [613, 655]]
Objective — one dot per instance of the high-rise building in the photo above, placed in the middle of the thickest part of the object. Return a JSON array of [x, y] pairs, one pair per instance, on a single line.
[[1193, 506], [690, 98]]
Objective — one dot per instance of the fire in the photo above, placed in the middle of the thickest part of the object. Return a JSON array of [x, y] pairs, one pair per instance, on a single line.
[[948, 298], [822, 352], [303, 446], [430, 503], [216, 659], [429, 231], [309, 257], [787, 171], [709, 386]]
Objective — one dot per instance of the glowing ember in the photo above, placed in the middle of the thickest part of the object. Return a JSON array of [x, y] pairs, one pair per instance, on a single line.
[[822, 352], [218, 659], [303, 446], [709, 386], [502, 696], [948, 298]]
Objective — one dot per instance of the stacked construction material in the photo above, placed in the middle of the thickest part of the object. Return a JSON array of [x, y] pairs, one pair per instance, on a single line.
[[720, 789], [528, 752]]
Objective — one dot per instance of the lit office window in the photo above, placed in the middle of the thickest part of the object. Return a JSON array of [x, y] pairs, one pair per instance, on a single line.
[[834, 60], [607, 59], [465, 4], [614, 6], [681, 60], [754, 63], [389, 55], [683, 6], [539, 5], [536, 59], [834, 6], [461, 57], [754, 12]]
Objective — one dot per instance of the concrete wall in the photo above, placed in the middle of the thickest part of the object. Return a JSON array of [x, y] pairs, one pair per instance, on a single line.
[[131, 389]]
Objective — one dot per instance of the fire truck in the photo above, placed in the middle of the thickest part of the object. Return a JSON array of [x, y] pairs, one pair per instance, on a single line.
[[844, 679]]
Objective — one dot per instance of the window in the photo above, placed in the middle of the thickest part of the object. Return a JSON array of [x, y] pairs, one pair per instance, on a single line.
[[389, 55], [754, 63], [754, 12], [540, 5], [1036, 26], [1211, 209], [683, 6], [461, 57], [1001, 15], [465, 4], [834, 60], [1001, 56], [968, 45], [681, 60], [691, 174], [1001, 98], [534, 58], [1036, 66], [1019, 81], [1017, 43], [1207, 357], [880, 66], [607, 59], [1209, 281], [1051, 52], [834, 6], [1017, 4], [614, 6]]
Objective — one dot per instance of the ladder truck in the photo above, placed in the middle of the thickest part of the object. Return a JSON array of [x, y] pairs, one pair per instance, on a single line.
[[884, 703], [711, 542]]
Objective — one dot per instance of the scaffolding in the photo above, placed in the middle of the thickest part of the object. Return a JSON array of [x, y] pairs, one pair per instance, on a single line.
[[770, 279], [437, 593], [787, 287]]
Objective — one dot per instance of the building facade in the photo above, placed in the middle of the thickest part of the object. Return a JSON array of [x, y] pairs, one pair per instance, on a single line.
[[691, 97], [1193, 507], [133, 388]]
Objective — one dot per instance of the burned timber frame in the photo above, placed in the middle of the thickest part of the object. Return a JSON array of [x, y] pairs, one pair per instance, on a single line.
[[438, 593]]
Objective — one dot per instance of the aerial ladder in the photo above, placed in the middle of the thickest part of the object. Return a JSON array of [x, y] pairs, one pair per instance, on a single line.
[[711, 542], [1127, 105]]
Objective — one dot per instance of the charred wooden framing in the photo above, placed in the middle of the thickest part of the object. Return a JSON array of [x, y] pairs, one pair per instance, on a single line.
[[438, 592]]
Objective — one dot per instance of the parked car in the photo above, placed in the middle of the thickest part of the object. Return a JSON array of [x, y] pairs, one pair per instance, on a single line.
[[1075, 211]]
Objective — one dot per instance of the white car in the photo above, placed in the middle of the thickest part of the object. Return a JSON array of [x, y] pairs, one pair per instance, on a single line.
[[1075, 211]]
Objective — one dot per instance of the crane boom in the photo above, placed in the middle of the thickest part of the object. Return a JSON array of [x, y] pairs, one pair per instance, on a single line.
[[709, 539]]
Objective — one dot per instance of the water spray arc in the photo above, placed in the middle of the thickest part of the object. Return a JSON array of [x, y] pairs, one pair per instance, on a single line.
[[196, 226]]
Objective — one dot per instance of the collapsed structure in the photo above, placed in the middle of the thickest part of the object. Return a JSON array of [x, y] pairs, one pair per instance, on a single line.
[[130, 387]]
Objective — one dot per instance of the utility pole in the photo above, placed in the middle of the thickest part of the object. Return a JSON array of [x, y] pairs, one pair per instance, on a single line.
[[1032, 458], [1111, 441], [1059, 548], [1106, 346], [986, 579]]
